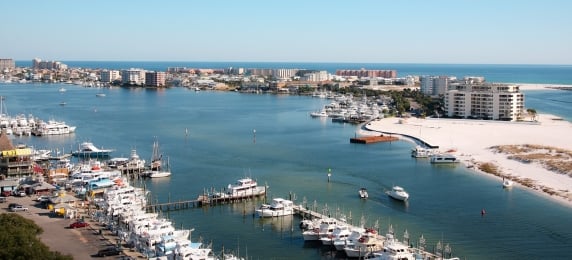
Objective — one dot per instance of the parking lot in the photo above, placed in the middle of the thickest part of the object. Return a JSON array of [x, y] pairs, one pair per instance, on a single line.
[[81, 243]]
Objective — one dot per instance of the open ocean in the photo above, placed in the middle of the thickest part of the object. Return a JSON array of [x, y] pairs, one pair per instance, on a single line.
[[292, 153]]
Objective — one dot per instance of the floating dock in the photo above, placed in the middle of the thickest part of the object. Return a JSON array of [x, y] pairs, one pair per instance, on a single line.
[[373, 139]]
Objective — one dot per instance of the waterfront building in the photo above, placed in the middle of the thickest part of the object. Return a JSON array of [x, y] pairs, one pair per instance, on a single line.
[[7, 64], [485, 101], [109, 75], [260, 72], [14, 161], [155, 78], [133, 76], [368, 73]]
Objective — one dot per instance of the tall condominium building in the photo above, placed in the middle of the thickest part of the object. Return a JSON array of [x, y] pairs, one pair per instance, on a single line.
[[260, 72], [485, 101], [368, 73], [155, 78], [433, 85], [7, 64], [109, 75], [316, 76], [133, 77]]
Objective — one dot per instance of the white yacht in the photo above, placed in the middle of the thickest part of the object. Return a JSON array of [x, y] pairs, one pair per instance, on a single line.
[[444, 159], [88, 149], [506, 183], [278, 207], [398, 193], [422, 152], [363, 193], [53, 127], [242, 188]]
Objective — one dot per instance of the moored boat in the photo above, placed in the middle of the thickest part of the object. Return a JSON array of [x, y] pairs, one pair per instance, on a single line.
[[443, 159], [88, 149], [278, 207]]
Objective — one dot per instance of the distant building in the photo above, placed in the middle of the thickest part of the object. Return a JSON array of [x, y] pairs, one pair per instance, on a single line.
[[7, 64], [485, 101], [316, 76], [284, 73], [434, 85], [39, 64], [368, 73], [109, 75], [133, 77], [155, 78]]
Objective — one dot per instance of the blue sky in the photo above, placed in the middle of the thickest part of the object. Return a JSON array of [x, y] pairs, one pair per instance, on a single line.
[[479, 32]]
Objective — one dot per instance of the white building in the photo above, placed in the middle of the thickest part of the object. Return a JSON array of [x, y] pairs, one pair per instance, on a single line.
[[316, 76], [284, 74], [109, 75], [485, 101], [133, 76]]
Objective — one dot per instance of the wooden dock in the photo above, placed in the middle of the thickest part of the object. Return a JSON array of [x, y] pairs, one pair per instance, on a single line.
[[201, 200], [373, 139]]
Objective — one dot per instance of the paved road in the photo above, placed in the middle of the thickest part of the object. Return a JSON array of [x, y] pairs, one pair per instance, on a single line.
[[80, 243]]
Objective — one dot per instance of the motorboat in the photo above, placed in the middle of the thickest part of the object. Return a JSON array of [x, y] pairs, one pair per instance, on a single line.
[[278, 207], [392, 249], [398, 193], [443, 159], [422, 152], [100, 95], [363, 193], [506, 183], [88, 149]]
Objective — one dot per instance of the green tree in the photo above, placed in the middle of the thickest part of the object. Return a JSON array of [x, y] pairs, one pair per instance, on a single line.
[[19, 240], [532, 113]]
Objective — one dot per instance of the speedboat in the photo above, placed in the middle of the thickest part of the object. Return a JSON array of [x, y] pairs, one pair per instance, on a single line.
[[506, 183], [363, 193], [321, 113], [278, 207], [398, 193], [88, 149]]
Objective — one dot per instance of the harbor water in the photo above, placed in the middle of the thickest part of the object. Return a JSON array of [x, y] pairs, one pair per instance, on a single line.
[[214, 138]]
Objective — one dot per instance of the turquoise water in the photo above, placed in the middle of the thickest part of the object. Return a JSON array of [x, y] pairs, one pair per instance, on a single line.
[[292, 153]]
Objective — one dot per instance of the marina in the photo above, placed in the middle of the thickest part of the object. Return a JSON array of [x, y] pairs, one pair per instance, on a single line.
[[202, 158]]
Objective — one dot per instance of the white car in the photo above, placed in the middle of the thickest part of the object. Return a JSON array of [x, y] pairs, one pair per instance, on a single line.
[[42, 198], [18, 208]]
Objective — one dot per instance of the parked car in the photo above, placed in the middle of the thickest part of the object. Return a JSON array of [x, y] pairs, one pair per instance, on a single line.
[[43, 198], [79, 224], [109, 251], [18, 207], [3, 199]]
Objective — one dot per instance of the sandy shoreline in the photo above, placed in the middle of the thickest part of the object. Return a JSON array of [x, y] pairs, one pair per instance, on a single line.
[[472, 140]]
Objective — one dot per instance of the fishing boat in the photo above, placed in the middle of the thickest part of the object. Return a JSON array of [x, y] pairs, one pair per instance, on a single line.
[[88, 149], [278, 207], [245, 187], [398, 193], [158, 168]]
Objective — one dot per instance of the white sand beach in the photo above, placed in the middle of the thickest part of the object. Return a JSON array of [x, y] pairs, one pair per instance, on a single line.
[[472, 140]]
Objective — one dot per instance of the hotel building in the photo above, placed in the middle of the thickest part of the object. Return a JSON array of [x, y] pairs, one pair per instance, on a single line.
[[485, 101], [155, 78]]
